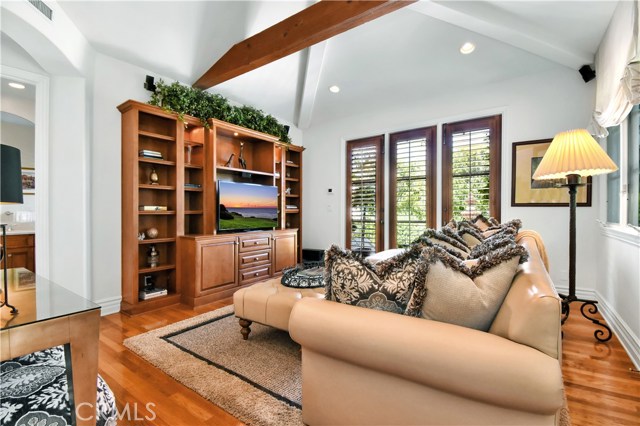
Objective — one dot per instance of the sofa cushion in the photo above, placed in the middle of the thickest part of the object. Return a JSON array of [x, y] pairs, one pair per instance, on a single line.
[[483, 223], [468, 296], [516, 224], [387, 286]]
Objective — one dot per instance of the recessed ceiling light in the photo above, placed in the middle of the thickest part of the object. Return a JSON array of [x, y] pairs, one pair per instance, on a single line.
[[467, 48], [334, 89], [16, 85]]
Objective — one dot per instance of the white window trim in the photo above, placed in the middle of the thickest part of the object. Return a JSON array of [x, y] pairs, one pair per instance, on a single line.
[[622, 230]]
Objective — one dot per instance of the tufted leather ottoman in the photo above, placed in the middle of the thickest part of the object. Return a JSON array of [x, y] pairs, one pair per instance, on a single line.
[[269, 303]]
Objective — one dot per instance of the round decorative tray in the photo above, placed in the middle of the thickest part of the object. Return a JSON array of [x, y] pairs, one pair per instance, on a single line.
[[299, 277]]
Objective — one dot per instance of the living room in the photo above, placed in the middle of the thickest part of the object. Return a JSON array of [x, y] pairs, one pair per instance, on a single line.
[[81, 78]]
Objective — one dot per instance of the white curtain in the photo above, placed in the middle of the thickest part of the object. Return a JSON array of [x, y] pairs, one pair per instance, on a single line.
[[617, 69]]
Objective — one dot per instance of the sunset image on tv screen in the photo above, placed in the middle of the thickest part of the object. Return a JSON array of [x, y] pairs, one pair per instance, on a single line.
[[247, 206]]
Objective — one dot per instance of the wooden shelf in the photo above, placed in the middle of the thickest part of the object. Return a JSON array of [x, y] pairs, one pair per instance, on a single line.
[[156, 269], [156, 161], [156, 136], [192, 189], [158, 187], [157, 241], [292, 195], [236, 170], [290, 179], [292, 165], [193, 212], [157, 213], [292, 210], [193, 143], [193, 166]]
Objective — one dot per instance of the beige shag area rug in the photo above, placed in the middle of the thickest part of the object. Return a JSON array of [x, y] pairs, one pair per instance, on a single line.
[[256, 380]]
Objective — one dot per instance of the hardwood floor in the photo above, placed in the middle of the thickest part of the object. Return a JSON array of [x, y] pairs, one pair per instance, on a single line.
[[601, 383], [602, 387]]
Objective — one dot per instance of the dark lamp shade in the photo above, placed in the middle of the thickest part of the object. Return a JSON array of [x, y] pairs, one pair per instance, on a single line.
[[10, 175]]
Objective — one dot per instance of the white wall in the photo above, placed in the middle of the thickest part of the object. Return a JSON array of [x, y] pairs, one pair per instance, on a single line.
[[533, 107]]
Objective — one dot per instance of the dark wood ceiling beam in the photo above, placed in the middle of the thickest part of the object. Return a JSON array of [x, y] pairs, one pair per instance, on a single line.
[[312, 25]]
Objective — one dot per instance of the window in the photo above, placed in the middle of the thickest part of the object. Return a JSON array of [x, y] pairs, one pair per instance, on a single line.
[[623, 186], [471, 168], [365, 196], [412, 184]]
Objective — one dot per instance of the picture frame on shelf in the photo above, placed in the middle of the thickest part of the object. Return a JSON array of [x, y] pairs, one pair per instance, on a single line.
[[28, 181], [527, 192]]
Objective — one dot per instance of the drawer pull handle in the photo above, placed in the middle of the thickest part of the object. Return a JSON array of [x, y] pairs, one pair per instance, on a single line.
[[256, 274], [256, 258], [255, 242]]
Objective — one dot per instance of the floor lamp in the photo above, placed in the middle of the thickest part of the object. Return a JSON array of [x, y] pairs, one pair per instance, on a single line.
[[570, 156], [10, 193]]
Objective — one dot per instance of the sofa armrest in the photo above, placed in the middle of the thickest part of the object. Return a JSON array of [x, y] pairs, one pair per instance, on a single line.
[[465, 362]]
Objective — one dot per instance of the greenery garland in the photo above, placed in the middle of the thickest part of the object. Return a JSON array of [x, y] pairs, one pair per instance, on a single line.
[[181, 99]]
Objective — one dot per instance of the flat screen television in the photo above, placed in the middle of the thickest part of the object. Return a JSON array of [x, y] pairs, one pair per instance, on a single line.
[[246, 206]]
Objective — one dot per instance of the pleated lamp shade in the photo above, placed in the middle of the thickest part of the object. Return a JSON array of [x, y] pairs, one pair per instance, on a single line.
[[10, 175], [574, 152]]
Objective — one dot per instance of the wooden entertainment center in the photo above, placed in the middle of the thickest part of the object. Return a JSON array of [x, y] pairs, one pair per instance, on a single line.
[[169, 203]]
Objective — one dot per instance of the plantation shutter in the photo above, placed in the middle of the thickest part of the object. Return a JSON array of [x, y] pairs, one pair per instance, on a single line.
[[471, 169], [365, 195], [412, 189]]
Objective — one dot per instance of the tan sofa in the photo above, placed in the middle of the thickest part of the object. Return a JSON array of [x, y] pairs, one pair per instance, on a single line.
[[361, 366]]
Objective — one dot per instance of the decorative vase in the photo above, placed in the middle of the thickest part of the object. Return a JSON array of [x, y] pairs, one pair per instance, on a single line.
[[153, 177], [152, 233], [153, 257]]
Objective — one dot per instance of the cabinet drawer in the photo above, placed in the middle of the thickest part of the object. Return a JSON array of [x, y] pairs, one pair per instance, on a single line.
[[251, 259], [254, 243], [25, 240], [255, 274]]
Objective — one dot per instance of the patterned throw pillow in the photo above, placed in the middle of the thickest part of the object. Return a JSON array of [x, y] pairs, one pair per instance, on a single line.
[[467, 296], [515, 224], [386, 286]]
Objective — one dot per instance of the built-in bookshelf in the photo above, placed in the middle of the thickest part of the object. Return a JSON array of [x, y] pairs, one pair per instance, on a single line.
[[170, 167]]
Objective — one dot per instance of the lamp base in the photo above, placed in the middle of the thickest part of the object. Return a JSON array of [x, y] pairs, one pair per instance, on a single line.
[[588, 309], [5, 282]]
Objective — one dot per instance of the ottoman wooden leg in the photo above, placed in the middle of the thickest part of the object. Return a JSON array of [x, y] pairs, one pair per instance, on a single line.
[[246, 329]]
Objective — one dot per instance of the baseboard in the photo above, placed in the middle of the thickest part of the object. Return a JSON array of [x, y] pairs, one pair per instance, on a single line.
[[629, 341], [110, 305], [583, 294]]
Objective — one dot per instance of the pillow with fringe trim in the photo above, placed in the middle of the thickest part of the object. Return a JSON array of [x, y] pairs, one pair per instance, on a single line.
[[471, 236], [491, 244], [467, 296], [482, 223], [447, 239], [515, 223], [386, 286]]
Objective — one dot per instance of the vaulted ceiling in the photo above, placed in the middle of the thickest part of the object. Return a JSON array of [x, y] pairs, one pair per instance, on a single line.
[[410, 53]]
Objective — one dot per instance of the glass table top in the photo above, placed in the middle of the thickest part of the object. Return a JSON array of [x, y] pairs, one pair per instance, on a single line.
[[37, 299]]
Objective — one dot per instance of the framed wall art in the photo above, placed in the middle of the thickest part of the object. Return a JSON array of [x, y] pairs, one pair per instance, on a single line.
[[527, 192], [28, 180]]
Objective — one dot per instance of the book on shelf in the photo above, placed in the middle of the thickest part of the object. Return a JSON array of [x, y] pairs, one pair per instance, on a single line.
[[149, 152], [150, 293], [153, 208], [291, 206], [192, 185]]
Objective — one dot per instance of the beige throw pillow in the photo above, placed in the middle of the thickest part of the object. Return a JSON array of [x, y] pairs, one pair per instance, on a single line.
[[468, 296]]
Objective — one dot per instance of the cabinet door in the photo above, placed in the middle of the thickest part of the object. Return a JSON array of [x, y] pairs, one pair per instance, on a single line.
[[219, 264], [285, 250], [20, 258]]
